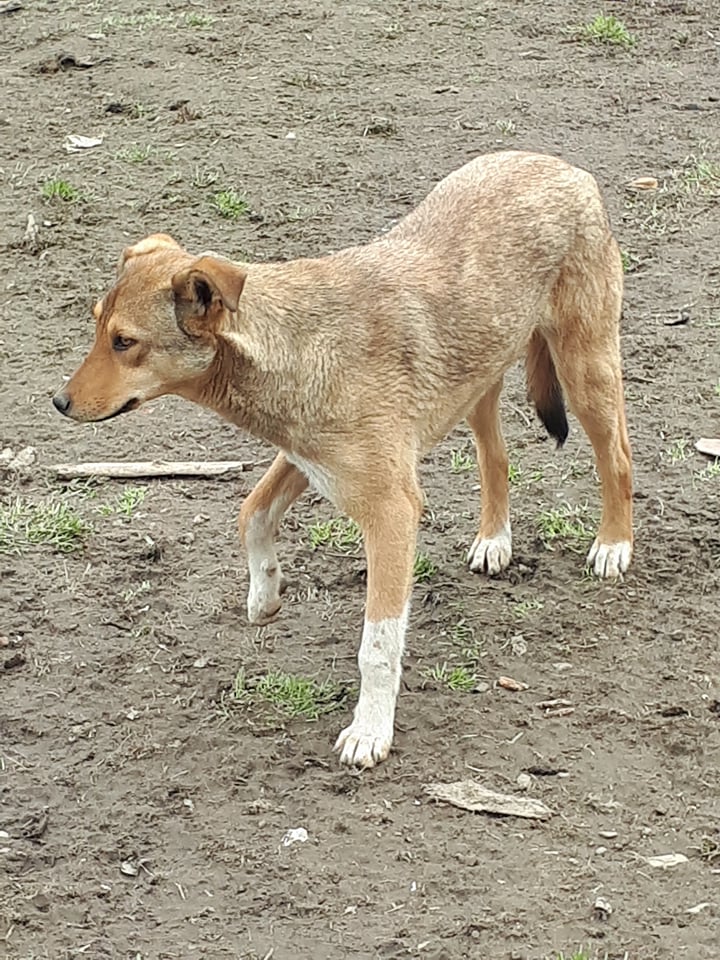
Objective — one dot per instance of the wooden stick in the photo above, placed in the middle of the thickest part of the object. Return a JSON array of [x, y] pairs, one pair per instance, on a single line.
[[151, 468]]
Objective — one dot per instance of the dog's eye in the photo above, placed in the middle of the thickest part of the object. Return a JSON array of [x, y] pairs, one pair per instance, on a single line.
[[122, 343]]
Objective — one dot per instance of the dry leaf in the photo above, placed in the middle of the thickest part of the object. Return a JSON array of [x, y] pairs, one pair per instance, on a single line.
[[711, 448], [75, 143], [642, 183], [469, 795], [511, 684]]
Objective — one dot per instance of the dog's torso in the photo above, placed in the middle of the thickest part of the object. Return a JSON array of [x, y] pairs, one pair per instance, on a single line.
[[408, 331]]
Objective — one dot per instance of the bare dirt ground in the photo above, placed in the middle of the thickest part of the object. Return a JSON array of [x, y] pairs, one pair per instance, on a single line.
[[144, 803]]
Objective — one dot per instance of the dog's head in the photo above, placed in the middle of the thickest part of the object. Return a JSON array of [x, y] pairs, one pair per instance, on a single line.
[[156, 329]]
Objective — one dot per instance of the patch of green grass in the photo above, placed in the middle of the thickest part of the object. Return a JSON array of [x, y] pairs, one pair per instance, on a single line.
[[54, 523], [710, 472], [340, 533], [461, 461], [230, 204], [198, 20], [517, 476], [462, 637], [461, 633], [60, 190], [291, 695], [565, 526], [608, 30], [457, 678], [629, 261], [126, 503], [506, 127], [578, 955], [138, 21], [678, 451], [523, 608], [423, 567], [700, 175], [135, 153], [717, 389]]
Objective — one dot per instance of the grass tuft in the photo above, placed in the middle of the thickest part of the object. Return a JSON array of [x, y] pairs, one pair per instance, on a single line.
[[523, 608], [461, 461], [566, 526], [700, 175], [126, 503], [291, 695], [230, 204], [60, 190], [710, 472], [423, 568], [340, 533], [198, 20], [24, 523], [608, 30], [457, 679], [678, 451], [138, 21], [136, 153]]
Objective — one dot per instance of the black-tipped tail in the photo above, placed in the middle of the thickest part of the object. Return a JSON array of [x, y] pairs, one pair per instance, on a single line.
[[545, 390]]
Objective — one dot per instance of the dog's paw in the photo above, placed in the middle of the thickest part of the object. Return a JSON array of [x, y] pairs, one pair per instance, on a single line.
[[263, 603], [361, 746], [266, 585], [491, 554], [261, 611], [609, 560]]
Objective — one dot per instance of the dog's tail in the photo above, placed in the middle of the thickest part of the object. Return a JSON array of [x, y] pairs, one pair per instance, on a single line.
[[544, 388]]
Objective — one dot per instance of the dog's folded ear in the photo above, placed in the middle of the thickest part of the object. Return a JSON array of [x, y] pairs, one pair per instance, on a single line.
[[147, 245], [204, 291]]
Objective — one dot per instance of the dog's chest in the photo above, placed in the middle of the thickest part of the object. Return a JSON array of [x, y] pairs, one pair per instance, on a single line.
[[319, 478]]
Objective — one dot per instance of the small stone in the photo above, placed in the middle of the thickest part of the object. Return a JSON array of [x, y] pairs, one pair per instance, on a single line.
[[603, 908], [524, 781]]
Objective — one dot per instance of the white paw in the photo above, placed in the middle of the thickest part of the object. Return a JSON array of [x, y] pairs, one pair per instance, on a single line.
[[362, 746], [491, 554], [264, 595], [609, 560]]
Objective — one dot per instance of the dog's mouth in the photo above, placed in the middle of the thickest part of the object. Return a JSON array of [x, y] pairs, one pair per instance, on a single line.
[[132, 404]]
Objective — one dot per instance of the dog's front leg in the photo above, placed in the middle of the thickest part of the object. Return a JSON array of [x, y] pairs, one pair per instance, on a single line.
[[258, 523], [390, 530]]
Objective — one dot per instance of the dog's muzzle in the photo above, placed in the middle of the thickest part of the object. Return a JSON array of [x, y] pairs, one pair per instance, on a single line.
[[63, 404]]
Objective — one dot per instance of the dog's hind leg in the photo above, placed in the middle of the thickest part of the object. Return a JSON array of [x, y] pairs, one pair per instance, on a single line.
[[585, 343], [389, 517], [492, 548], [259, 519]]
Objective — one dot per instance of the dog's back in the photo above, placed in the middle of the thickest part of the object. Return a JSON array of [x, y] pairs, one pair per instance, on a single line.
[[471, 281]]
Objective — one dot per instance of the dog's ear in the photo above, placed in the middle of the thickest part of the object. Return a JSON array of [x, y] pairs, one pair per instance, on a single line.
[[204, 290], [147, 245]]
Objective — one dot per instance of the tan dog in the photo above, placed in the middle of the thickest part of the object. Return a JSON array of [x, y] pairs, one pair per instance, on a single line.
[[356, 364]]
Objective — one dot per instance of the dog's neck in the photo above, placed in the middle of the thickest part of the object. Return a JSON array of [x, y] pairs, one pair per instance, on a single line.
[[274, 370]]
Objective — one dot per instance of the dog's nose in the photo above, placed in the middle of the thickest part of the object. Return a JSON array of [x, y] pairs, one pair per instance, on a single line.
[[61, 402]]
